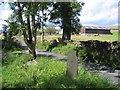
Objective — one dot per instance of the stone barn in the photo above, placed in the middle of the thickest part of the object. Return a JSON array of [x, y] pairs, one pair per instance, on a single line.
[[94, 30]]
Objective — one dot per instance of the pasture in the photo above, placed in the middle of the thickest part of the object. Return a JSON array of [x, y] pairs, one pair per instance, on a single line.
[[114, 37]]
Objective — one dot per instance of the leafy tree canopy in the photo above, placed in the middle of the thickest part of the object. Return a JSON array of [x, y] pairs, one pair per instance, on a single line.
[[66, 14]]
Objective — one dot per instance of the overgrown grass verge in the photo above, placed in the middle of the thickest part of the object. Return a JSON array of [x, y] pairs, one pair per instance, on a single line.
[[47, 73], [63, 49], [42, 45], [60, 49]]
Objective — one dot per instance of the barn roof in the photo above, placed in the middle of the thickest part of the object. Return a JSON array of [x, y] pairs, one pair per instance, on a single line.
[[95, 27]]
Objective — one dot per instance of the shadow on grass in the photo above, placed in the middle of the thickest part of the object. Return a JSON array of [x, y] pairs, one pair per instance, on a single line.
[[17, 85], [66, 82], [15, 58], [62, 82]]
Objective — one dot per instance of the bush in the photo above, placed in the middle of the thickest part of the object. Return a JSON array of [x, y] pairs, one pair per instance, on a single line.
[[51, 31], [11, 45], [43, 45]]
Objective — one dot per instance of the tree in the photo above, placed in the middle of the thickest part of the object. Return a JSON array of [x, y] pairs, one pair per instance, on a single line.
[[51, 31], [29, 29], [11, 29], [66, 14], [26, 16], [43, 17], [4, 30]]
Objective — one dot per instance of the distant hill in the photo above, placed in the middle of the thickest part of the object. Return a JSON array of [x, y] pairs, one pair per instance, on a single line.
[[113, 27]]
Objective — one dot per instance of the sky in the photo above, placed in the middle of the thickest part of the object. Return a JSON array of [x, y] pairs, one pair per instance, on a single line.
[[100, 12], [4, 13], [94, 13]]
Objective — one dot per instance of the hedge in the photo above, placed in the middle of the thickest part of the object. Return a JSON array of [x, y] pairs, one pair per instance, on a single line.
[[105, 53]]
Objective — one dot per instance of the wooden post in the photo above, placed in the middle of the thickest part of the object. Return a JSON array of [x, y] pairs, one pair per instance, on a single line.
[[72, 64]]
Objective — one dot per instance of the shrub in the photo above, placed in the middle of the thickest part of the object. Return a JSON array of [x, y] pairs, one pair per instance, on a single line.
[[51, 31], [43, 45], [11, 44]]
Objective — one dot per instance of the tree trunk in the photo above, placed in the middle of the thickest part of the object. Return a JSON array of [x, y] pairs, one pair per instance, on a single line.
[[66, 21], [34, 29], [28, 26], [32, 51], [30, 42], [66, 30], [42, 26]]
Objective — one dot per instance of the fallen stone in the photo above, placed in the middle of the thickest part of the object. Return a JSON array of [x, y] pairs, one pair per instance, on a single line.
[[31, 63]]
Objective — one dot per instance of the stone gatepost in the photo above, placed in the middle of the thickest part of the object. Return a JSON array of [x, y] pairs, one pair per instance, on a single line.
[[72, 64]]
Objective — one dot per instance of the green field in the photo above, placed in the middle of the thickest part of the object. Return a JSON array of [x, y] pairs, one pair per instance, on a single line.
[[114, 37]]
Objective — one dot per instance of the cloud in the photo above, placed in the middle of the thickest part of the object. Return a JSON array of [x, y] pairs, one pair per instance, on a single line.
[[99, 12], [5, 13], [3, 16], [95, 12]]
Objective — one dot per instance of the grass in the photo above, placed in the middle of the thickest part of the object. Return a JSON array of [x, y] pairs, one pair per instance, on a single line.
[[113, 27], [48, 38], [63, 49], [114, 37], [42, 46], [48, 73]]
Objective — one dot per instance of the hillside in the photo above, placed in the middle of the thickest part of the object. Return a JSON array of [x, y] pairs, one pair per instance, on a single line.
[[113, 27]]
